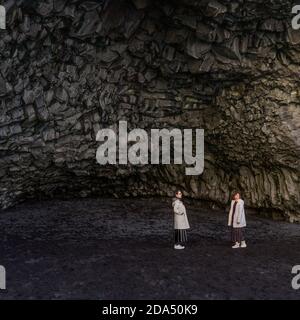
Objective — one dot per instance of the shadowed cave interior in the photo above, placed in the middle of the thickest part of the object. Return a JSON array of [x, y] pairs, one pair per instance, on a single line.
[[70, 68]]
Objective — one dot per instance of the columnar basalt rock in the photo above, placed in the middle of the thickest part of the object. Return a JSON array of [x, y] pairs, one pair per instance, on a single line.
[[69, 68]]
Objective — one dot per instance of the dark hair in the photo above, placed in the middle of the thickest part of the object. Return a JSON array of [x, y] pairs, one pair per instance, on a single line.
[[235, 193]]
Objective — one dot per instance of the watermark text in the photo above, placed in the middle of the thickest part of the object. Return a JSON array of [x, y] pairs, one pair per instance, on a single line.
[[134, 147], [2, 278], [296, 279], [2, 17]]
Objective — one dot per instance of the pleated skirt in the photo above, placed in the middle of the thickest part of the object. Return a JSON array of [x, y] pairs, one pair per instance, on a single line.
[[180, 236], [237, 235]]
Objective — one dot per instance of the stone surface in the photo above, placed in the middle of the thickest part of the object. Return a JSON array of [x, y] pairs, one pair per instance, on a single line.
[[80, 249], [69, 68]]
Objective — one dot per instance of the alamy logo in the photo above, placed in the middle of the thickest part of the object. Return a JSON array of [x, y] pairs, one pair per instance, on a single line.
[[296, 19], [2, 278], [2, 18], [137, 153], [296, 279]]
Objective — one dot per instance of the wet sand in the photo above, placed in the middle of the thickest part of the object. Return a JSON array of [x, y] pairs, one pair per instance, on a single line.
[[123, 249]]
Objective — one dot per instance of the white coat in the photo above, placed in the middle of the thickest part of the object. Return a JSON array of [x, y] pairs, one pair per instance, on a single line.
[[239, 220], [180, 216]]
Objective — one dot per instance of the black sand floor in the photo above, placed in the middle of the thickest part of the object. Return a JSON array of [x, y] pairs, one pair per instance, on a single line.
[[122, 249]]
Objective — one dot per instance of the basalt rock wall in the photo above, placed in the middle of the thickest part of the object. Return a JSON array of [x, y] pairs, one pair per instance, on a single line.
[[69, 68]]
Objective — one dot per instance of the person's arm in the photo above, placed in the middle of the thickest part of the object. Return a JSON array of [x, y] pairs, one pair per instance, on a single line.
[[177, 208], [240, 209], [230, 215]]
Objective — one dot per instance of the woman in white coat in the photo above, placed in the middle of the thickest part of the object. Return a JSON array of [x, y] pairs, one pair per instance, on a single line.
[[181, 223], [237, 221]]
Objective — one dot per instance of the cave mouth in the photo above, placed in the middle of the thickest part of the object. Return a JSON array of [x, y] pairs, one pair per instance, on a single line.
[[70, 68]]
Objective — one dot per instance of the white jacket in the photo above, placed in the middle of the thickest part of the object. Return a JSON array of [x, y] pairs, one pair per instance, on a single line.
[[180, 216], [239, 220]]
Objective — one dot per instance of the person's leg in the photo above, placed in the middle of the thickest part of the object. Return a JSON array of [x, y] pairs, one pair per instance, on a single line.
[[176, 237], [242, 237], [183, 237], [235, 237], [232, 236]]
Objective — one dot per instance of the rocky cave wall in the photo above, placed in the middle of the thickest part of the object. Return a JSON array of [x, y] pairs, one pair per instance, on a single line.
[[69, 68]]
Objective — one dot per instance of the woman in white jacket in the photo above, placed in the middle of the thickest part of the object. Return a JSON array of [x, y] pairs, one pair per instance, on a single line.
[[181, 223], [237, 221]]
